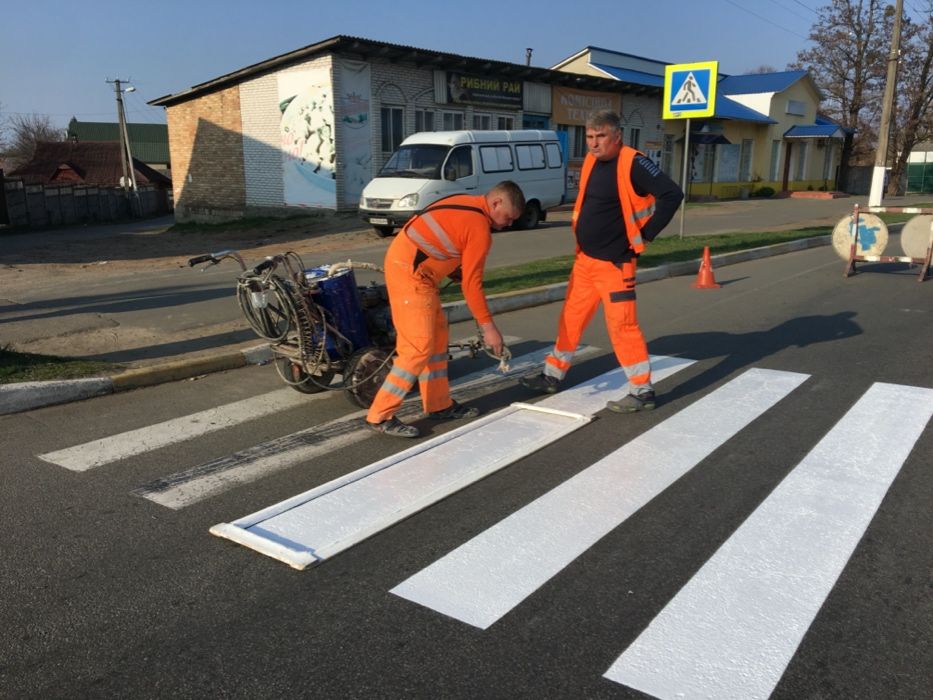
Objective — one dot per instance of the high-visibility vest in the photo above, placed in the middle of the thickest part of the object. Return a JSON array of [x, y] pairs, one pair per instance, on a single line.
[[636, 210]]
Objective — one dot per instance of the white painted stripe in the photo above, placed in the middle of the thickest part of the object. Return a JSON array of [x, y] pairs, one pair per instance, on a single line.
[[203, 481], [732, 630], [484, 578], [319, 523], [110, 449]]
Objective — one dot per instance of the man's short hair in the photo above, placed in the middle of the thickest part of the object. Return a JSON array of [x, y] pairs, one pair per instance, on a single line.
[[604, 117], [512, 192]]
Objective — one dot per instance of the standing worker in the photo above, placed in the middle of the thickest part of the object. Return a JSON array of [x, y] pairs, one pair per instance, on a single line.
[[624, 200], [453, 232]]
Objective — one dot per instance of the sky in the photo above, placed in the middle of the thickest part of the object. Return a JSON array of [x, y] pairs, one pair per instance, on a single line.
[[56, 57]]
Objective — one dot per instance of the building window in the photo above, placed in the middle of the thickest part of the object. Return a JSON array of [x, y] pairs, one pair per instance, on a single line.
[[482, 121], [800, 172], [576, 140], [634, 138], [505, 123], [827, 158], [745, 160], [453, 121], [424, 120], [392, 129], [775, 160]]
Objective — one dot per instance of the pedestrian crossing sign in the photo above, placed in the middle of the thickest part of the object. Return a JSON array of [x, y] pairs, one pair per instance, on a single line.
[[690, 90]]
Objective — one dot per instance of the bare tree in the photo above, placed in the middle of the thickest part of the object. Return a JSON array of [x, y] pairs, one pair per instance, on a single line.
[[847, 60], [912, 121], [23, 132]]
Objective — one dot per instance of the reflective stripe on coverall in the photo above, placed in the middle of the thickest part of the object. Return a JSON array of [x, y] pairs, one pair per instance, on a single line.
[[593, 281], [453, 232]]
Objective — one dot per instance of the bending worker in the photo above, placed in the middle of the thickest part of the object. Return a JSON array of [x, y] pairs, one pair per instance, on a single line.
[[453, 232], [624, 201]]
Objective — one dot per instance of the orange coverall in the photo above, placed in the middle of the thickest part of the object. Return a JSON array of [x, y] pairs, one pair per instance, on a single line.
[[452, 232], [593, 281]]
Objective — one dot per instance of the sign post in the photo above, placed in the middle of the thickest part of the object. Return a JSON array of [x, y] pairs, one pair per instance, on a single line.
[[689, 91]]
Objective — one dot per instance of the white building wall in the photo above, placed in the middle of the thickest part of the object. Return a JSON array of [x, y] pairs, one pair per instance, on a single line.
[[262, 139]]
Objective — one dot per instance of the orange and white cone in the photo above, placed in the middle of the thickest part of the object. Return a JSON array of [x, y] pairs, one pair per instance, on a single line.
[[705, 279]]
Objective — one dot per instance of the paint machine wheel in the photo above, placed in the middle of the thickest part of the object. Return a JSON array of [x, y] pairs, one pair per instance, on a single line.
[[366, 370], [295, 376]]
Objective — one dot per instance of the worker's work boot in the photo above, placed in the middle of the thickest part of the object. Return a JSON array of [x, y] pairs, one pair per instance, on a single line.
[[394, 427], [632, 403], [454, 411], [541, 383]]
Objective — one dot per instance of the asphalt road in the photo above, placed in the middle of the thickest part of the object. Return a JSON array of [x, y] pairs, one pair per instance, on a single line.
[[109, 593]]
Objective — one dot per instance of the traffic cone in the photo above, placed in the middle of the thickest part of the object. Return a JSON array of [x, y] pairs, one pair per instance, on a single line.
[[705, 279]]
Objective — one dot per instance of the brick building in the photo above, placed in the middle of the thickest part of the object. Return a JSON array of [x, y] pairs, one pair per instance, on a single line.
[[311, 127]]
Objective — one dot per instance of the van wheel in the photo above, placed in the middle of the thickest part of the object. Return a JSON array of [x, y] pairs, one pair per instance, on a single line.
[[384, 231], [530, 217]]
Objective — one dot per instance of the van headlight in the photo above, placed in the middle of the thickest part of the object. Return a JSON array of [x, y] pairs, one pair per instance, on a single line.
[[409, 201]]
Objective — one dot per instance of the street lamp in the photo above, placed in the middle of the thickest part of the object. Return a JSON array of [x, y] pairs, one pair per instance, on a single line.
[[126, 155]]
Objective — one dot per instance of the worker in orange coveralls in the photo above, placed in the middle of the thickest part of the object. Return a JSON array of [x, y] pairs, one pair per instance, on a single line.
[[453, 232], [624, 200]]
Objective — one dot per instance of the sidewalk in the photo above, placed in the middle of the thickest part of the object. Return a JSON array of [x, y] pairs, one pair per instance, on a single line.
[[167, 322]]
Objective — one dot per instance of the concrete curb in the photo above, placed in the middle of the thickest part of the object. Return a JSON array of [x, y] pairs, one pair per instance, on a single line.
[[25, 396]]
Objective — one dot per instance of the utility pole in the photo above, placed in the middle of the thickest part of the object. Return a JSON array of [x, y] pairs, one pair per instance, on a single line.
[[126, 155], [887, 106]]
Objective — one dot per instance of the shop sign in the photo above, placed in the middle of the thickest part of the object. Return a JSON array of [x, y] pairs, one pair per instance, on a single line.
[[484, 90]]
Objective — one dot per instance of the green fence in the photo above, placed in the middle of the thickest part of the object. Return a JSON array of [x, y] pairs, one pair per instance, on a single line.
[[919, 178]]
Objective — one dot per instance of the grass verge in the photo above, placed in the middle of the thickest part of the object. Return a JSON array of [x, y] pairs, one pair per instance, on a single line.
[[29, 367]]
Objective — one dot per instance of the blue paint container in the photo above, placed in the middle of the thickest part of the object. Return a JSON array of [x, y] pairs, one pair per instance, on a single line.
[[338, 294]]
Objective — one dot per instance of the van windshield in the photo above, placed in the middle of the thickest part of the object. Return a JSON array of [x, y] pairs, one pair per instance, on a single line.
[[421, 161]]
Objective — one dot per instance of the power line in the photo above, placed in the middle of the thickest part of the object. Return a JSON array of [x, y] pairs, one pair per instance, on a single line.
[[807, 7], [765, 19], [787, 9]]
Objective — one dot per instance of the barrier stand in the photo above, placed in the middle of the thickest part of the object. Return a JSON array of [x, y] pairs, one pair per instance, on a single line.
[[916, 238]]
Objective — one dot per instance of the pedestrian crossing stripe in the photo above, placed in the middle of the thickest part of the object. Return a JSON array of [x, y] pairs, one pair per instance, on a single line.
[[185, 488], [485, 578], [732, 630], [314, 526], [690, 90]]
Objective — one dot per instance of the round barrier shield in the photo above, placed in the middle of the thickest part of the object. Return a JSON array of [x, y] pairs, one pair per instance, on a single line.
[[915, 238], [872, 235]]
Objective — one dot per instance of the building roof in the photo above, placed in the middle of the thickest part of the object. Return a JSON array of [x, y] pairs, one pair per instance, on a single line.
[[368, 49], [815, 131], [754, 83], [631, 76], [730, 109], [148, 142], [95, 163]]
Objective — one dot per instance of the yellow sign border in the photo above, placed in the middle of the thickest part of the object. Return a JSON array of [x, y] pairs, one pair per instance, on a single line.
[[713, 68]]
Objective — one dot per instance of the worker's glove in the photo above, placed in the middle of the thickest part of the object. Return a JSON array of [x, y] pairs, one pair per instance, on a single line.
[[456, 275]]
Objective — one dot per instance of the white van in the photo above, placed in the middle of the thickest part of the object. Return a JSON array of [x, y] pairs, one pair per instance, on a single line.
[[430, 165]]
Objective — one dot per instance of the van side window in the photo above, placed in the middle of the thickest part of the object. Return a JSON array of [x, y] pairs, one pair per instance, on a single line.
[[553, 155], [496, 159], [530, 156], [459, 164]]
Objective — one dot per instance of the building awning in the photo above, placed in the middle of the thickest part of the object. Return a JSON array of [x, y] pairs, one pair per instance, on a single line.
[[815, 131], [702, 138]]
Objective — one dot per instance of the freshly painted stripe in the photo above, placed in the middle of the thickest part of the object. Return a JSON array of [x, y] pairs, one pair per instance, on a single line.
[[732, 630], [484, 578], [110, 449], [205, 480], [319, 523]]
